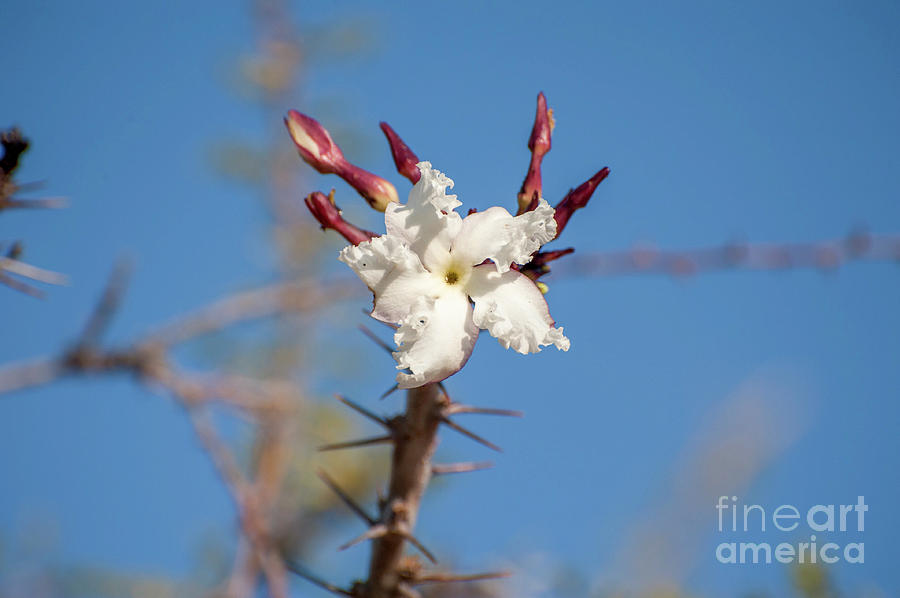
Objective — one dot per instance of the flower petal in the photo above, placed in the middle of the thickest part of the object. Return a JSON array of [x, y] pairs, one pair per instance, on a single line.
[[399, 290], [393, 272], [495, 234], [435, 339], [426, 221], [513, 310]]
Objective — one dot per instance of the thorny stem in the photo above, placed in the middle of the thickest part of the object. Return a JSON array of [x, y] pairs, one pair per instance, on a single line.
[[416, 441]]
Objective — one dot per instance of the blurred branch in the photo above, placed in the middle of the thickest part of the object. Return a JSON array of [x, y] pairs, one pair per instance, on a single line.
[[826, 255], [273, 300], [102, 315], [148, 360], [251, 509]]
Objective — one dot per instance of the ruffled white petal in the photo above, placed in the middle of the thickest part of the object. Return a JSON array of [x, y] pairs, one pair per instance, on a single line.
[[513, 310], [375, 259], [482, 235], [435, 339], [432, 190], [495, 234], [394, 274], [399, 291], [426, 221]]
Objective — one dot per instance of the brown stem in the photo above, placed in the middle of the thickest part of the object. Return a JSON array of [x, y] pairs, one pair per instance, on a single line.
[[415, 443]]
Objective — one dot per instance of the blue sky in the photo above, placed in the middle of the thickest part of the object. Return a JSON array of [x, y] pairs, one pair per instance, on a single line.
[[771, 121]]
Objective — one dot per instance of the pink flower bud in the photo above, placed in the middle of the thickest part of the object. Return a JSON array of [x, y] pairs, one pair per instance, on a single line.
[[329, 216], [319, 151], [404, 157], [377, 191], [576, 199], [314, 143], [539, 144]]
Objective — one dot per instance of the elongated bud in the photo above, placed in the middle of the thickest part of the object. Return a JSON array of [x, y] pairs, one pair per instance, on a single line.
[[319, 151], [314, 143], [576, 199], [539, 144], [377, 191], [329, 216], [404, 158]]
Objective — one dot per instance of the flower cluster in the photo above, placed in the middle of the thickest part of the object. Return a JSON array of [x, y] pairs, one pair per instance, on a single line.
[[439, 277], [431, 262]]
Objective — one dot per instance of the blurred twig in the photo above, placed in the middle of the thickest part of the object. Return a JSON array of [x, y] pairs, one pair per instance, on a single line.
[[147, 357], [10, 266], [149, 361], [272, 300], [825, 255]]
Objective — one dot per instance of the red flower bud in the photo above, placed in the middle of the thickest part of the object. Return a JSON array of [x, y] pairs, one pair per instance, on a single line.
[[576, 199], [404, 157], [377, 191], [329, 216], [319, 151], [314, 143], [539, 144]]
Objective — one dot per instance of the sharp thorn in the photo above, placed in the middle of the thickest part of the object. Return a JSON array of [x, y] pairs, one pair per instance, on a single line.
[[415, 542], [357, 443], [452, 424], [388, 392], [20, 286], [451, 578], [374, 338], [376, 531], [347, 500], [457, 409], [26, 270], [301, 572], [361, 410], [30, 185], [108, 305], [442, 469], [47, 203]]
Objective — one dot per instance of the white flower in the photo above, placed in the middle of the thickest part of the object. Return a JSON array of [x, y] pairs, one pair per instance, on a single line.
[[430, 268]]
